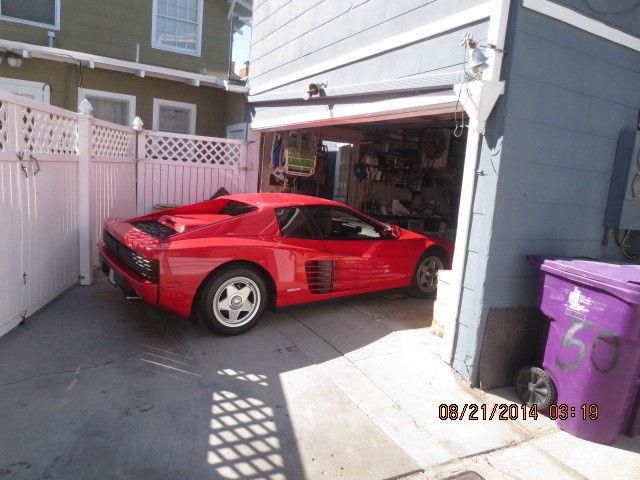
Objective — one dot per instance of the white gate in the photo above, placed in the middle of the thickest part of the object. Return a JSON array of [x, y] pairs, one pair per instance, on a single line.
[[180, 169], [38, 199]]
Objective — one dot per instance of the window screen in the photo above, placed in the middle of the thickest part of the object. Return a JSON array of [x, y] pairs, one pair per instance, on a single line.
[[338, 224], [177, 25], [109, 109], [294, 223], [41, 11], [174, 119]]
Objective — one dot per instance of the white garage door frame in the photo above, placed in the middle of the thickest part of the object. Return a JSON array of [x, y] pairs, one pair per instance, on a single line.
[[365, 112]]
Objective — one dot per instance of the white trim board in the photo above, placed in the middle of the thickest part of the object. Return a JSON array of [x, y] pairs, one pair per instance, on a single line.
[[41, 92], [346, 113], [192, 107], [583, 22], [437, 27], [91, 61], [54, 26], [131, 99]]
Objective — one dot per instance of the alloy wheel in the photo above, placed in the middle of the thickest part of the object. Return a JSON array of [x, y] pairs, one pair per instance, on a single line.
[[236, 301], [427, 273]]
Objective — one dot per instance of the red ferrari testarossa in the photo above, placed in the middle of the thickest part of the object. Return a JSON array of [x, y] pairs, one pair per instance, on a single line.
[[225, 260]]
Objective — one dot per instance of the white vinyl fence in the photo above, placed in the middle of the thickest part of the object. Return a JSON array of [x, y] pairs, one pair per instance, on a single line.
[[181, 169], [62, 173]]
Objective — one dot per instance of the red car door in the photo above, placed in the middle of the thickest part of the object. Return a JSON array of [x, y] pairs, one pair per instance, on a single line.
[[362, 259], [304, 264]]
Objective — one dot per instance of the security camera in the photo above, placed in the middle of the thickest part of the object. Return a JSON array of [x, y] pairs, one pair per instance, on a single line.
[[315, 90]]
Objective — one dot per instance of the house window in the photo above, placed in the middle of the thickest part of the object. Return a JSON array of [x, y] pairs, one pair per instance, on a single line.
[[177, 26], [175, 117], [40, 13], [25, 88], [111, 107]]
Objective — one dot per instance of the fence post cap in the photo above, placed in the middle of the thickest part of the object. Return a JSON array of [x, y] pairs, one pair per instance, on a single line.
[[137, 124], [85, 108]]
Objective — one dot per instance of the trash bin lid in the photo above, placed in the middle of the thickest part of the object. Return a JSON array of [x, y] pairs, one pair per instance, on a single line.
[[619, 279]]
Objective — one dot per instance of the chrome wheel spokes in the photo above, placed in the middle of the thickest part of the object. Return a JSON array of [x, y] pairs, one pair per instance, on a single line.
[[236, 301], [427, 274]]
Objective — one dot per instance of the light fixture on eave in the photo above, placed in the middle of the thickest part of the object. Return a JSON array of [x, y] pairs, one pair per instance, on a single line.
[[477, 61], [13, 59]]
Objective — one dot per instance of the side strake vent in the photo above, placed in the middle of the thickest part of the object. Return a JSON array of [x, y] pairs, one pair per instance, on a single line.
[[319, 276]]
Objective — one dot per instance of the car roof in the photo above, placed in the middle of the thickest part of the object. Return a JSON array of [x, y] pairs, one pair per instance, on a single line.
[[275, 200]]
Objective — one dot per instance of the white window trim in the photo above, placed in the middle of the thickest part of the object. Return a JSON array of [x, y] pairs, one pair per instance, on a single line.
[[28, 84], [55, 26], [160, 102], [83, 92], [156, 45]]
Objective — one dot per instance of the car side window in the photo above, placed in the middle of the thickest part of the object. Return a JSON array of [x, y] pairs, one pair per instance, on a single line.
[[294, 223], [338, 224]]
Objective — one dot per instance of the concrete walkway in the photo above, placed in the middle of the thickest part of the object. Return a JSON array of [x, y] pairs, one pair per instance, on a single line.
[[93, 387]]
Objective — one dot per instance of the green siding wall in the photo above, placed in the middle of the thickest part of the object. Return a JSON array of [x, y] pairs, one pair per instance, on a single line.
[[113, 27], [216, 108]]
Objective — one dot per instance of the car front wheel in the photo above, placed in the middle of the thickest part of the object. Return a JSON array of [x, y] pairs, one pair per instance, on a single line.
[[232, 302], [425, 276]]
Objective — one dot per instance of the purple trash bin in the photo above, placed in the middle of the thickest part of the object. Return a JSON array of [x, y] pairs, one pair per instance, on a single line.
[[593, 348]]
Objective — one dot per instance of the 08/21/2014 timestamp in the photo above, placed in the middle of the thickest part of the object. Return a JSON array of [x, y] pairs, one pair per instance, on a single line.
[[503, 411]]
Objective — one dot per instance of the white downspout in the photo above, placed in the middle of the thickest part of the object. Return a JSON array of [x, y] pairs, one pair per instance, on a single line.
[[496, 35]]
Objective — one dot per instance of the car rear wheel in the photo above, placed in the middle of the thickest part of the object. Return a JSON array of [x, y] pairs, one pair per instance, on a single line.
[[232, 302], [425, 276]]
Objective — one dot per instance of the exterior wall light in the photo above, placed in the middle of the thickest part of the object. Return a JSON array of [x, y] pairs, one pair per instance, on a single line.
[[13, 60], [477, 61]]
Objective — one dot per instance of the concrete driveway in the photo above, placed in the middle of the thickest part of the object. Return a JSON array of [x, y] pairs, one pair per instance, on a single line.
[[93, 387]]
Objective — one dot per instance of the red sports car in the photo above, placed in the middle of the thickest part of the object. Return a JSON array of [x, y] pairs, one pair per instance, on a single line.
[[225, 260]]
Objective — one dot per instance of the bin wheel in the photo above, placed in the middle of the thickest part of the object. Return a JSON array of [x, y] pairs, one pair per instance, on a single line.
[[535, 387]]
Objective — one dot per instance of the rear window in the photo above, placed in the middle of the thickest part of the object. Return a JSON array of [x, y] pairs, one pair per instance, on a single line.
[[235, 208]]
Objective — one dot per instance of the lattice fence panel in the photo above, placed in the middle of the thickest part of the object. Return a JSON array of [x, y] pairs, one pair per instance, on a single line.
[[111, 142], [193, 150], [4, 126], [47, 133]]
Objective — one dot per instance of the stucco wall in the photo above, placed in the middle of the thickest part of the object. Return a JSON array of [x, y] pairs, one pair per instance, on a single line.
[[568, 95], [215, 107], [113, 27]]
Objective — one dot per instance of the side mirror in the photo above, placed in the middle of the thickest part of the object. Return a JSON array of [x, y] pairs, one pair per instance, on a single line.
[[391, 231]]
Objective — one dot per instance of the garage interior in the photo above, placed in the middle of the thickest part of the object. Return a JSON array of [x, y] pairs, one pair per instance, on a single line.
[[405, 172]]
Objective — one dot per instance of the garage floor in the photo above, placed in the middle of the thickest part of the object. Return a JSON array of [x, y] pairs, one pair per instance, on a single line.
[[94, 387]]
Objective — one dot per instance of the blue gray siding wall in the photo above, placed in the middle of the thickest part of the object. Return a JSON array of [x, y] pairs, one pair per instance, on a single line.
[[568, 95], [291, 35]]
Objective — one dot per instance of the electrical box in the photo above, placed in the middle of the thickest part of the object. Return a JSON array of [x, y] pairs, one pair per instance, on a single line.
[[623, 207]]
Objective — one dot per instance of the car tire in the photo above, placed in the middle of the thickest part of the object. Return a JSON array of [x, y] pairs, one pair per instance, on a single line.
[[233, 301], [424, 283]]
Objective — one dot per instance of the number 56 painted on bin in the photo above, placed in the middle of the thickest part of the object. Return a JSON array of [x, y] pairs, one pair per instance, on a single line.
[[604, 338]]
